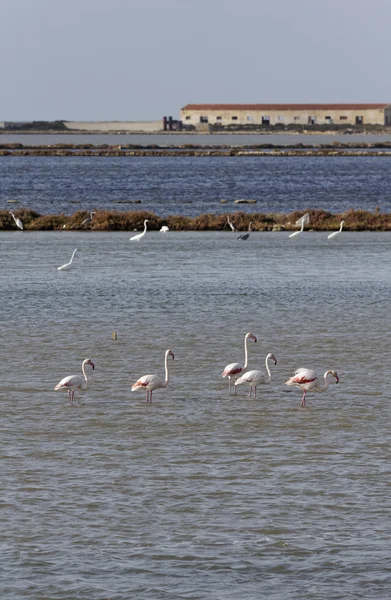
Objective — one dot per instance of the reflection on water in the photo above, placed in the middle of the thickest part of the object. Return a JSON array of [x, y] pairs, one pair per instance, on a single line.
[[199, 494]]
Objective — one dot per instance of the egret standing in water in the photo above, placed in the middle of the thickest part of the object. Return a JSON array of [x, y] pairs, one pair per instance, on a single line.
[[304, 220], [67, 266], [333, 235], [18, 222], [139, 236], [164, 229]]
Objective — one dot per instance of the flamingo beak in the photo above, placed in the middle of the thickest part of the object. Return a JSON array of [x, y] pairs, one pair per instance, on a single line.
[[172, 354], [336, 378], [275, 360], [92, 364]]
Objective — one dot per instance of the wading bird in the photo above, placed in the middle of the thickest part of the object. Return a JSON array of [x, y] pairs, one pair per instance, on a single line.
[[88, 220], [333, 235], [164, 229], [231, 224], [152, 382], [307, 380], [234, 369], [256, 378], [67, 266], [245, 236], [304, 220], [18, 222], [139, 236], [75, 382]]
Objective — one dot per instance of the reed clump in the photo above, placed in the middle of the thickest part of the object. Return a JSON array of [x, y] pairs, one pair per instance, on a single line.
[[110, 220]]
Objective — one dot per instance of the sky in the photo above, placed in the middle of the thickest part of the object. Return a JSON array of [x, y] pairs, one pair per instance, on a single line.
[[135, 60]]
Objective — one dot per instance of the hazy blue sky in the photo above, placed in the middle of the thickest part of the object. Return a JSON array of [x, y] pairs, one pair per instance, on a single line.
[[141, 59]]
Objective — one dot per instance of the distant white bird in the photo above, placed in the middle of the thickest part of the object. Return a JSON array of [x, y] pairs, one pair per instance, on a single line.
[[307, 380], [75, 382], [245, 236], [152, 382], [67, 266], [139, 236], [298, 232], [333, 235], [88, 220], [304, 220], [256, 378], [231, 224], [18, 222], [164, 229]]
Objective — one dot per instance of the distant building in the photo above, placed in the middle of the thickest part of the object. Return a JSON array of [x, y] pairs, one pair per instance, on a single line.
[[286, 114]]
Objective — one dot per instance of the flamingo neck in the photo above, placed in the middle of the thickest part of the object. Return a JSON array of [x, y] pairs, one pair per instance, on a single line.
[[166, 371], [269, 375], [323, 386], [83, 370], [245, 353], [340, 227], [73, 254], [145, 227]]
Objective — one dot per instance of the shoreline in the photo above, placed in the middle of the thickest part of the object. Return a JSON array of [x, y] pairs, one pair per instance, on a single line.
[[175, 150], [129, 221]]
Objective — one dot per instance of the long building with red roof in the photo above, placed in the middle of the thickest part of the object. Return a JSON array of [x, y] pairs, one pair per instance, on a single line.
[[286, 114]]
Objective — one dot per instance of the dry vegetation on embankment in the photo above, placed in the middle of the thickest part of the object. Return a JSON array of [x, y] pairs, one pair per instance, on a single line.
[[104, 220]]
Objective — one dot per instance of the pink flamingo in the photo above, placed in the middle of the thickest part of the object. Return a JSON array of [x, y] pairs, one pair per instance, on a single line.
[[255, 378], [152, 382], [234, 369], [307, 380], [75, 382]]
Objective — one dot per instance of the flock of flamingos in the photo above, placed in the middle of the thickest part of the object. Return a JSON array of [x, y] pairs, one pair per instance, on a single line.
[[306, 379]]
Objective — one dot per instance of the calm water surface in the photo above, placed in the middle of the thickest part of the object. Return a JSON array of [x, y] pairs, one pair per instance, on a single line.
[[200, 494], [194, 185]]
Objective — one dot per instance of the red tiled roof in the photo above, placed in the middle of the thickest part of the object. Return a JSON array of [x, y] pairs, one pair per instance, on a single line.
[[282, 107]]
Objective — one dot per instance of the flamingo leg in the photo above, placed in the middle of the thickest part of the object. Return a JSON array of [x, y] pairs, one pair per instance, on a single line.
[[146, 395], [249, 391], [229, 384], [303, 398], [255, 391], [150, 396], [69, 396], [235, 386]]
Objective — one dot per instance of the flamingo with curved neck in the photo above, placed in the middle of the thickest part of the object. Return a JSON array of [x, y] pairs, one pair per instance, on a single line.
[[255, 378], [307, 379], [74, 382], [152, 382], [67, 266], [233, 369], [139, 236]]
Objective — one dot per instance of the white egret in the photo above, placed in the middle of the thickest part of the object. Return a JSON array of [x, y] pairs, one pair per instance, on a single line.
[[18, 222], [333, 235], [231, 224], [298, 232], [164, 229], [67, 266], [137, 238]]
